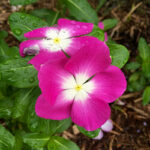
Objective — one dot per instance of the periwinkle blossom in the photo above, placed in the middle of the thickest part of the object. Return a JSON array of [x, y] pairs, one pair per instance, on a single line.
[[101, 26], [106, 127], [80, 87], [49, 42]]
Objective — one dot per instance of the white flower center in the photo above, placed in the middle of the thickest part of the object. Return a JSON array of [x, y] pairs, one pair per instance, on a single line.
[[76, 88], [57, 40]]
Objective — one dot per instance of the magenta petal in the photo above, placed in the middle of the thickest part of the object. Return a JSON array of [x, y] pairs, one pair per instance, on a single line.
[[76, 28], [60, 110], [44, 57], [106, 37], [109, 84], [92, 58], [51, 77], [39, 33], [90, 114], [101, 25], [76, 45], [29, 47]]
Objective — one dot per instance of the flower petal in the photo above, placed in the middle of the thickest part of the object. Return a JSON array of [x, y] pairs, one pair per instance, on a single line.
[[75, 28], [44, 57], [75, 45], [90, 113], [101, 25], [44, 32], [32, 47], [110, 84], [100, 135], [60, 110], [107, 126], [51, 78], [90, 59]]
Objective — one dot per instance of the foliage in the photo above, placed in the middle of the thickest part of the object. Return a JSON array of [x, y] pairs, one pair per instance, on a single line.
[[140, 68]]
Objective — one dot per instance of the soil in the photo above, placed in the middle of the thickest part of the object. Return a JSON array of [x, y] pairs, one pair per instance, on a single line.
[[132, 120]]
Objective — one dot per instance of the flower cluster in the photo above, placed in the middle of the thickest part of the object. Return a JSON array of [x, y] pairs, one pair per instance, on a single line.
[[75, 73]]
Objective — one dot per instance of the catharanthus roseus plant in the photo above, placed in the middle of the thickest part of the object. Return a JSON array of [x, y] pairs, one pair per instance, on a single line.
[[75, 76]]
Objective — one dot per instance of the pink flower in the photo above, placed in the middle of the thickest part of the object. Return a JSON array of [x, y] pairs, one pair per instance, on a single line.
[[49, 42], [106, 127], [80, 87], [101, 26]]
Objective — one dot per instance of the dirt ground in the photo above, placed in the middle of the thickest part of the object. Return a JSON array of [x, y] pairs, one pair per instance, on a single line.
[[132, 120]]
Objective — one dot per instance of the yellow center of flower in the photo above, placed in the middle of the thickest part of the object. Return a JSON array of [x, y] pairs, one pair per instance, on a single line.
[[57, 40], [78, 88]]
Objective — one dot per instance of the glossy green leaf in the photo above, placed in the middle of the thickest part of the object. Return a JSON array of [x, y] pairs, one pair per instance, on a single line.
[[48, 15], [98, 33], [22, 100], [90, 134], [22, 2], [146, 95], [81, 10], [47, 126], [3, 34], [7, 140], [132, 66], [21, 23], [19, 140], [119, 54], [136, 82], [36, 140], [100, 4], [146, 68], [6, 106], [7, 52], [144, 49], [59, 143], [109, 23], [18, 73]]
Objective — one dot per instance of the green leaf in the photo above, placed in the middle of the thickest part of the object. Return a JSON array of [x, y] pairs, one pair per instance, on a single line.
[[7, 140], [6, 106], [146, 95], [132, 66], [47, 126], [100, 4], [134, 77], [22, 2], [119, 54], [36, 140], [3, 34], [136, 82], [19, 141], [90, 134], [98, 33], [22, 100], [146, 68], [7, 52], [81, 10], [18, 73], [109, 23], [48, 15], [21, 23], [59, 143], [144, 50]]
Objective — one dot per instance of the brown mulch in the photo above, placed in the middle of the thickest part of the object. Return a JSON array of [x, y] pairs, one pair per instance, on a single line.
[[132, 120]]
